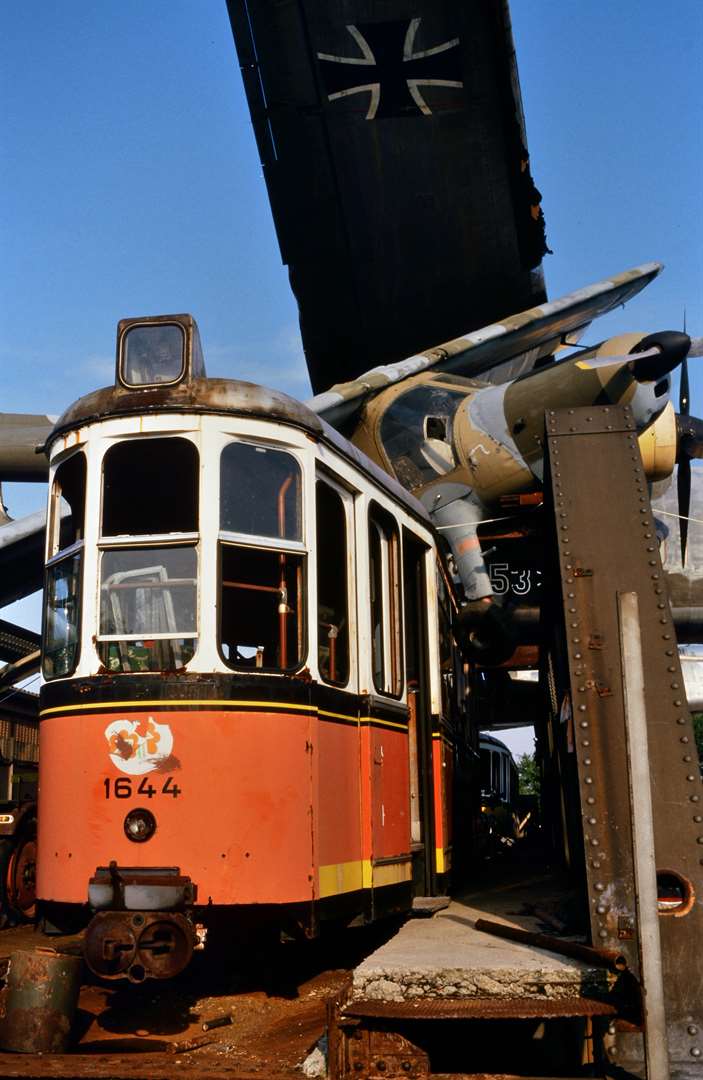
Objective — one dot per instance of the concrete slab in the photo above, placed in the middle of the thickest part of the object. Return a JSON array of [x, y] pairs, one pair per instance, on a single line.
[[446, 957]]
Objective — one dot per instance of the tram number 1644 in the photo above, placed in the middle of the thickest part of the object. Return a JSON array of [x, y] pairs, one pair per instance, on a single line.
[[124, 788]]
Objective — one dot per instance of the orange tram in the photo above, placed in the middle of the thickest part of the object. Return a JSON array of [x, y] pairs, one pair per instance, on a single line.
[[253, 706]]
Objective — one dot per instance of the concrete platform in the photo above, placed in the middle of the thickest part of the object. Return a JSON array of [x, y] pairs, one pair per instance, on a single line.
[[445, 957]]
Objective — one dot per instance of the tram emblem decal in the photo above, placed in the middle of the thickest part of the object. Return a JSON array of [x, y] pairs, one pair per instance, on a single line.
[[138, 746]]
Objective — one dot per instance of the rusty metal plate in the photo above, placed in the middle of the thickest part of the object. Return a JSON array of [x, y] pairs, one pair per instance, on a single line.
[[479, 1009], [607, 543]]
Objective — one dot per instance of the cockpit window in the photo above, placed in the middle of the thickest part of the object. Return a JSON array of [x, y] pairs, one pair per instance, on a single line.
[[150, 486], [417, 434], [260, 492], [152, 354]]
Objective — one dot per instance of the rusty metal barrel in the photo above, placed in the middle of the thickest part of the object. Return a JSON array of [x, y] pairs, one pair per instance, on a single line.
[[39, 1001]]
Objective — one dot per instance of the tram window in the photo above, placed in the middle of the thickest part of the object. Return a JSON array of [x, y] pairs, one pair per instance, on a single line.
[[150, 486], [495, 772], [332, 614], [153, 354], [260, 492], [67, 508], [485, 771], [62, 617], [384, 583], [147, 608], [261, 608]]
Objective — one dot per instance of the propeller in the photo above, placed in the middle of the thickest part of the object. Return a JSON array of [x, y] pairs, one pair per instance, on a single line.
[[689, 431]]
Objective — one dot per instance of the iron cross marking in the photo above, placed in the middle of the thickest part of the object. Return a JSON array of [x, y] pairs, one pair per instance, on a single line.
[[390, 70]]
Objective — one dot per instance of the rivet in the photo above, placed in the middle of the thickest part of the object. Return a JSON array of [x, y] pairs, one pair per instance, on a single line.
[[587, 761], [586, 742], [596, 843], [681, 720], [661, 606], [582, 689], [678, 703], [663, 621], [692, 1029], [602, 933], [592, 821], [695, 798], [652, 562], [655, 577], [687, 757], [595, 865], [574, 625], [566, 541], [611, 1029], [572, 610], [669, 652], [651, 547], [591, 801], [599, 886], [571, 595], [577, 656], [582, 708], [643, 510], [690, 779], [584, 724], [576, 640], [564, 526], [588, 780], [672, 668], [684, 739], [648, 536], [675, 686], [666, 637], [699, 840], [697, 818], [695, 1051], [568, 566], [601, 910], [569, 581]]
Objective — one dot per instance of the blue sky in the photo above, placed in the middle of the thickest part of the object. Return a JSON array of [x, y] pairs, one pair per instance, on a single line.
[[130, 182]]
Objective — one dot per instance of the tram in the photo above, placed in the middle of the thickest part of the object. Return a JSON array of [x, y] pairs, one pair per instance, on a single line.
[[253, 700]]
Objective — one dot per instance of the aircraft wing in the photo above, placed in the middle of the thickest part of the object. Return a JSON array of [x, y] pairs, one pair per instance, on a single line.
[[20, 435], [393, 147], [496, 353]]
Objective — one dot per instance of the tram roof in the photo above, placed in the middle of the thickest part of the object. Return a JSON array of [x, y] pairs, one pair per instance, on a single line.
[[228, 397]]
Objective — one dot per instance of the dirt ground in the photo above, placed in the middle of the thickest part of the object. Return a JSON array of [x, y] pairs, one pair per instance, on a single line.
[[276, 999]]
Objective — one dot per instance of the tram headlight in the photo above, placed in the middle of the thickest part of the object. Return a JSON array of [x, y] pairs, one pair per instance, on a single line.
[[139, 825]]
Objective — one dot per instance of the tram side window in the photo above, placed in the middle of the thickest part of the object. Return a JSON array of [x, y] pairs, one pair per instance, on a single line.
[[261, 609], [495, 770], [384, 584], [150, 486], [62, 606], [67, 511], [62, 617], [332, 591]]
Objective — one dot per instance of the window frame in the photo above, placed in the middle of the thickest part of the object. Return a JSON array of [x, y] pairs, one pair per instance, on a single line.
[[270, 544], [393, 661], [346, 500], [144, 541]]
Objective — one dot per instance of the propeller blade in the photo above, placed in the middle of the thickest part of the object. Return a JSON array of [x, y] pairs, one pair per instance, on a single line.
[[684, 392], [683, 490]]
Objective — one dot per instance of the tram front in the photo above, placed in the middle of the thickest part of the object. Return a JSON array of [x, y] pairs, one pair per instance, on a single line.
[[174, 610]]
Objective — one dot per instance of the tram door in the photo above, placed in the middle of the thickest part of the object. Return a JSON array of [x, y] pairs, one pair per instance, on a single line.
[[419, 714]]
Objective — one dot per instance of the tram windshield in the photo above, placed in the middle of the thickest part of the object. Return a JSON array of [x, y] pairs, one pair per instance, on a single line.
[[148, 590]]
